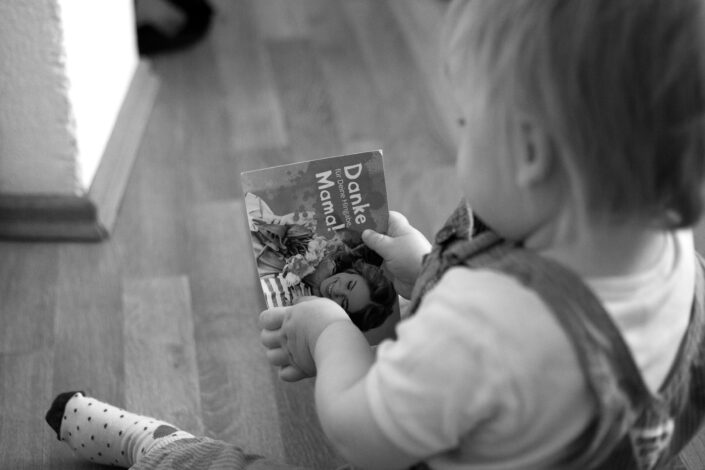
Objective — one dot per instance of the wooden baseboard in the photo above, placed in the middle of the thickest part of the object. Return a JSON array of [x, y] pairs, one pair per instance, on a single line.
[[89, 217]]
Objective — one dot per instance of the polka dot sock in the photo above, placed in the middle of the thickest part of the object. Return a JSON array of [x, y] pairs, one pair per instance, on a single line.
[[104, 434]]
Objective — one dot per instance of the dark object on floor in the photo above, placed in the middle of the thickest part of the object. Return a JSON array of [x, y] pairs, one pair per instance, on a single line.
[[151, 40]]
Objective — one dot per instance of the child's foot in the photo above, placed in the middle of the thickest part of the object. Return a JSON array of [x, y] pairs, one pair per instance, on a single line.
[[105, 434]]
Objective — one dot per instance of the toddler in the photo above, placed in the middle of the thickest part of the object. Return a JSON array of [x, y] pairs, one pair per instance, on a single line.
[[564, 331]]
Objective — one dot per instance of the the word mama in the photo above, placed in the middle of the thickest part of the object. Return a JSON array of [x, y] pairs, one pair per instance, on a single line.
[[353, 199]]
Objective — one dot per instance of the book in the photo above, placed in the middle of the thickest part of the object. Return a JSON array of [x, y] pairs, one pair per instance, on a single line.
[[306, 220]]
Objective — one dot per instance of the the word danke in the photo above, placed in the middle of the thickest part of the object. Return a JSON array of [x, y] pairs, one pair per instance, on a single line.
[[352, 173]]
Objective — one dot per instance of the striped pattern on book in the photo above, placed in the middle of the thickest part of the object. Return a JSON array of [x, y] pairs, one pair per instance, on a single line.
[[278, 294]]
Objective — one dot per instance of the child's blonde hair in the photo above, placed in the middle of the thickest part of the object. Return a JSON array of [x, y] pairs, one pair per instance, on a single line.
[[618, 84]]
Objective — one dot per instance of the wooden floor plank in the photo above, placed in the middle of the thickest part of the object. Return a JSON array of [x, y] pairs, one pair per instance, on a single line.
[[25, 395], [413, 147], [28, 279], [305, 444], [184, 159], [150, 229], [88, 349], [255, 117], [203, 155], [305, 100], [347, 78], [28, 276], [88, 354], [237, 393], [161, 376], [395, 79], [280, 19], [421, 23]]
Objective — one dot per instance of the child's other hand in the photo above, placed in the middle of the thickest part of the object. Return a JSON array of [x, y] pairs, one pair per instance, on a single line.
[[402, 249], [290, 334]]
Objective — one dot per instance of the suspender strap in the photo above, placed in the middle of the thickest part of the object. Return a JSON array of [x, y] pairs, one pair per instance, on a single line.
[[633, 427], [611, 373]]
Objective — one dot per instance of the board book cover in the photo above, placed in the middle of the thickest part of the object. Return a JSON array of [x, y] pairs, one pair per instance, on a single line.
[[306, 220]]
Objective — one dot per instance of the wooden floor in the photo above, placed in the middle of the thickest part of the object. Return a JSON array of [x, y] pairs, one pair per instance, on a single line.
[[161, 318]]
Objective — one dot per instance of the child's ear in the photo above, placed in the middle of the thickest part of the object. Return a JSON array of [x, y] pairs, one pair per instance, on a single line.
[[535, 156]]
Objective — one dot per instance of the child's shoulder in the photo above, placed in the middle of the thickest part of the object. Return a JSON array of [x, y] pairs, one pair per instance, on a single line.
[[489, 329], [498, 303]]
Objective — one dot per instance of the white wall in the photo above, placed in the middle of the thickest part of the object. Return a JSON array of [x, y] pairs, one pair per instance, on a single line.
[[65, 68], [100, 47]]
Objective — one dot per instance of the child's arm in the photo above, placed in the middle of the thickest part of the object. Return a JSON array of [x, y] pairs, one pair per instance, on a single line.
[[343, 357], [402, 248], [316, 337]]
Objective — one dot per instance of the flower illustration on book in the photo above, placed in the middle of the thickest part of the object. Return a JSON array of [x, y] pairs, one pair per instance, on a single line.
[[301, 265]]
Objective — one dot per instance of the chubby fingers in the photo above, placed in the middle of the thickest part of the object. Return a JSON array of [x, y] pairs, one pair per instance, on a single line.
[[272, 318], [398, 224], [281, 357], [272, 339], [278, 357], [380, 242], [270, 322], [291, 373], [397, 219]]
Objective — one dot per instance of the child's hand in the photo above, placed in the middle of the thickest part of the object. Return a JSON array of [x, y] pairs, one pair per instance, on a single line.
[[290, 334], [402, 249]]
